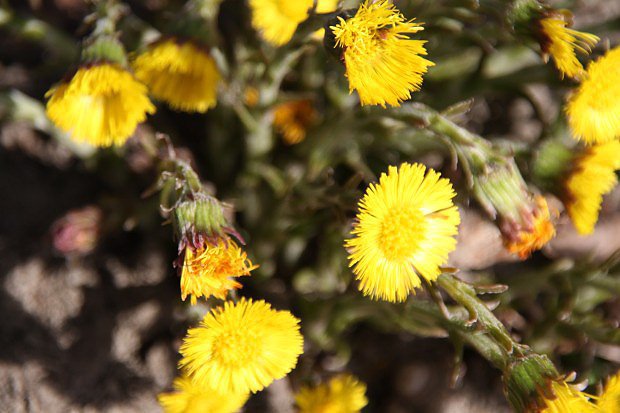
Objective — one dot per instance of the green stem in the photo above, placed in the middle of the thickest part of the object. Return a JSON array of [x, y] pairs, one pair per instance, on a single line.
[[479, 340], [465, 294], [108, 12]]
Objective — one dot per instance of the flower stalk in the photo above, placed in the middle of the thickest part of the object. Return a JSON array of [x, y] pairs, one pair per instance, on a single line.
[[522, 216]]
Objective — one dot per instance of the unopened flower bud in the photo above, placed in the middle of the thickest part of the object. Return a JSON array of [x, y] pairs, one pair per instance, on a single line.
[[77, 232]]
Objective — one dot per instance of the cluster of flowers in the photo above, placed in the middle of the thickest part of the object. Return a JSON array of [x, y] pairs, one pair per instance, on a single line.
[[407, 223]]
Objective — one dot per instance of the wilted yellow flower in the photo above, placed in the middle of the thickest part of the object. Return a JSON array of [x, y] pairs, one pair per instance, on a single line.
[[102, 104], [242, 347], [277, 20], [535, 235], [567, 400], [211, 269], [609, 401], [593, 175], [561, 42], [382, 63], [190, 398], [181, 73], [594, 108], [343, 394], [293, 118], [405, 229]]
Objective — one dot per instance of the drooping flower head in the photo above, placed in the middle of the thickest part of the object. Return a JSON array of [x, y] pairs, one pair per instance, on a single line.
[[594, 108], [405, 230], [343, 394], [242, 347], [191, 398], [561, 42], [536, 231], [102, 103], [292, 119], [179, 72], [382, 62], [522, 216], [277, 20], [211, 270], [609, 401], [593, 175]]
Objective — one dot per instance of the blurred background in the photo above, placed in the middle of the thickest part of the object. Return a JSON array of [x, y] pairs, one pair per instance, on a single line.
[[90, 313]]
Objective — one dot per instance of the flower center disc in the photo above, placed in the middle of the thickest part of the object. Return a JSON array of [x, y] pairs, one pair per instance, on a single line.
[[236, 348], [401, 232]]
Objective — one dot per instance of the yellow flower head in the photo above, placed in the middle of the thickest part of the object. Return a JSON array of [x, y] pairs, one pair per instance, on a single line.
[[405, 229], [382, 63], [292, 119], [242, 347], [561, 42], [343, 394], [566, 399], [210, 270], [190, 398], [535, 235], [277, 20], [251, 96], [594, 108], [181, 73], [102, 104], [609, 401], [593, 175]]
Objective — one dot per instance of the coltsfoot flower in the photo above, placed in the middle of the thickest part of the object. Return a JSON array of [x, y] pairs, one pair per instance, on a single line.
[[522, 216], [561, 42], [180, 72], [242, 347], [211, 269], [382, 62], [609, 401], [405, 230], [191, 398], [78, 232], [343, 394], [594, 108], [277, 20], [102, 104], [593, 175], [536, 233], [292, 119], [567, 399]]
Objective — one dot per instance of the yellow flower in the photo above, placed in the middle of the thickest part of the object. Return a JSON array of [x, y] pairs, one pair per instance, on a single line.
[[594, 109], [190, 398], [210, 270], [382, 63], [567, 400], [593, 175], [251, 96], [277, 20], [292, 119], [343, 394], [242, 347], [102, 105], [405, 229], [536, 235], [609, 401], [561, 43], [181, 73]]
